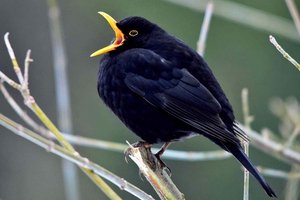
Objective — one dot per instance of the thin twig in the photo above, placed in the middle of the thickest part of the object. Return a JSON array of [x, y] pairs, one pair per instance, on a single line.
[[28, 60], [294, 13], [289, 114], [271, 147], [284, 53], [247, 121], [13, 59], [10, 82], [73, 157], [292, 137], [201, 44], [278, 173], [23, 115], [291, 190]]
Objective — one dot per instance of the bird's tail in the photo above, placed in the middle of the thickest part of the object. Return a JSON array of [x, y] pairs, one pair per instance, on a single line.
[[243, 158]]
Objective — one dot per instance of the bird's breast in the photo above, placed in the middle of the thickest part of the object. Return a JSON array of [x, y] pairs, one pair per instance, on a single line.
[[148, 122]]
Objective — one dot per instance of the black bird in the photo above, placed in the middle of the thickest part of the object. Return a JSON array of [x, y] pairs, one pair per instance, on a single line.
[[164, 91]]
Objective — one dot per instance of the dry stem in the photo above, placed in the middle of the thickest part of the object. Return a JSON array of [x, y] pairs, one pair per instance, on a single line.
[[284, 53], [205, 28], [247, 121]]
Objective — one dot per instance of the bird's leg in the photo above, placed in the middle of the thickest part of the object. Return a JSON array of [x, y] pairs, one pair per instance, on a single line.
[[163, 149], [160, 153]]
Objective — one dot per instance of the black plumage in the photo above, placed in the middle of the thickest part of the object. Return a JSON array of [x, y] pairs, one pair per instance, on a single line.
[[164, 91]]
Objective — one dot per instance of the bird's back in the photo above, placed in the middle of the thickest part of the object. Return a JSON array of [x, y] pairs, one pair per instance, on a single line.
[[176, 51]]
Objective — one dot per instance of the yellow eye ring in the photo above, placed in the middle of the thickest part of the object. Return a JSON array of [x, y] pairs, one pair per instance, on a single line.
[[133, 33]]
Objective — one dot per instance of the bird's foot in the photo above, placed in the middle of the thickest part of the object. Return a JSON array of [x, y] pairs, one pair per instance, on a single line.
[[163, 164]]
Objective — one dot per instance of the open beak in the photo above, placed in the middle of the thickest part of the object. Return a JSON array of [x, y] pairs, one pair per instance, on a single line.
[[119, 36]]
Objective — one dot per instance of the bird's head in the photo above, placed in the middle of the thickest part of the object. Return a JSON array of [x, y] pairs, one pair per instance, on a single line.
[[129, 33]]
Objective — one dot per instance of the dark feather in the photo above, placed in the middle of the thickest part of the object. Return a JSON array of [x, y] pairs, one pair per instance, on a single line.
[[184, 98]]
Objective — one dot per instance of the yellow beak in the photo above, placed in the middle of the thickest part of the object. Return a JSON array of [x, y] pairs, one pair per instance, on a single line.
[[119, 36]]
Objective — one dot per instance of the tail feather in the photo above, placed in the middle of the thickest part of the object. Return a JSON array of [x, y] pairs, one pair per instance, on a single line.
[[244, 160]]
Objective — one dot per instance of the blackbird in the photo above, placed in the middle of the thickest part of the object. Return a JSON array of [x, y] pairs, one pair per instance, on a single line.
[[164, 91]]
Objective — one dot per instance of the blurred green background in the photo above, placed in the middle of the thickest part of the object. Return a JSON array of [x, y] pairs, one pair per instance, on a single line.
[[239, 56]]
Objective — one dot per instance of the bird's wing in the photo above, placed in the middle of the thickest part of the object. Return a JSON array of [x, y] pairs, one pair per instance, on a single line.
[[183, 97]]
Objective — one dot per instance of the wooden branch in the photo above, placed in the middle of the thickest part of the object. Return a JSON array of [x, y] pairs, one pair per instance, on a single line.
[[271, 147], [247, 121], [201, 44], [278, 173], [156, 174], [284, 53]]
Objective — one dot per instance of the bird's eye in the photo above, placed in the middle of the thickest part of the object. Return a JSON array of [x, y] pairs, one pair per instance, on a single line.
[[133, 33]]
